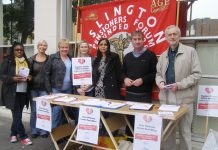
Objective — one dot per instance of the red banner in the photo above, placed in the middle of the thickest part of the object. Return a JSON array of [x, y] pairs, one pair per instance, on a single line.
[[116, 20]]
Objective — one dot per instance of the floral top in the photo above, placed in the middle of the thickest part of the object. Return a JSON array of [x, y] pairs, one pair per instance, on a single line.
[[99, 89]]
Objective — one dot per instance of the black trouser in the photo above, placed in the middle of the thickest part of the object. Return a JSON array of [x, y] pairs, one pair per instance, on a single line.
[[17, 125]]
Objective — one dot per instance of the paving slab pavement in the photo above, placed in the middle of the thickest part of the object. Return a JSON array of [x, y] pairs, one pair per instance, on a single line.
[[5, 124]]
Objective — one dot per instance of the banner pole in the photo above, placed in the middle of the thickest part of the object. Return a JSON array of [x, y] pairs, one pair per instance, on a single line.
[[177, 13], [77, 21], [206, 128]]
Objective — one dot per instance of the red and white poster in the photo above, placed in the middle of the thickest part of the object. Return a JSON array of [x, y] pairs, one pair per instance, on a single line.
[[207, 101], [118, 19], [82, 71], [88, 124], [147, 132], [43, 114]]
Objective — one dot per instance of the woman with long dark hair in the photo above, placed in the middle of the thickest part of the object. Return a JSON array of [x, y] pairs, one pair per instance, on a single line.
[[15, 95], [107, 72]]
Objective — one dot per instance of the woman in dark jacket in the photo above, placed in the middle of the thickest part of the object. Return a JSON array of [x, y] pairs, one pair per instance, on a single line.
[[107, 72], [37, 86], [58, 77], [15, 95]]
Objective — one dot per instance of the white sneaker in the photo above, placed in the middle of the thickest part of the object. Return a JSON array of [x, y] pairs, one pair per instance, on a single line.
[[13, 139]]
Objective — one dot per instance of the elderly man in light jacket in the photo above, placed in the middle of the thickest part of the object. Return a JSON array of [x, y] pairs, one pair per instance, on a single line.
[[179, 68]]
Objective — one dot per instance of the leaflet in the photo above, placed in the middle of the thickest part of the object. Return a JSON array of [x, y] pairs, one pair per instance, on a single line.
[[48, 97], [141, 106], [165, 114], [168, 86], [165, 107], [65, 99], [103, 104], [24, 72]]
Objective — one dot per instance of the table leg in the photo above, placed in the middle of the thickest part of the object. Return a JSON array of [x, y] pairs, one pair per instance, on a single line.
[[128, 124], [168, 129], [70, 139], [55, 143], [109, 132]]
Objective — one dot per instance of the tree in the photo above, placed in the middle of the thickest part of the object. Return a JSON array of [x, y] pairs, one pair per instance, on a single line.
[[9, 20], [18, 19], [25, 24]]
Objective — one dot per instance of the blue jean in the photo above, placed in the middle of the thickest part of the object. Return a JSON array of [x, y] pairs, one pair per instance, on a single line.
[[17, 125], [57, 115], [33, 128]]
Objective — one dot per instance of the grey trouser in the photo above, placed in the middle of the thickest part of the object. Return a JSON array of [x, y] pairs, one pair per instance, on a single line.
[[184, 127]]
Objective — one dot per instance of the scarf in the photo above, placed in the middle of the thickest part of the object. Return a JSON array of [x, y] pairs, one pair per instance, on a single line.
[[20, 63]]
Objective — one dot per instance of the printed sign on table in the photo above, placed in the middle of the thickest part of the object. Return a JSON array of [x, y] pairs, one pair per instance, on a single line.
[[207, 101], [82, 71], [88, 124], [147, 132], [43, 114]]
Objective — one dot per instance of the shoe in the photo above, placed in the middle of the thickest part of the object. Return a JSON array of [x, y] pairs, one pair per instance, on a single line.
[[34, 136], [44, 135], [13, 139], [26, 141]]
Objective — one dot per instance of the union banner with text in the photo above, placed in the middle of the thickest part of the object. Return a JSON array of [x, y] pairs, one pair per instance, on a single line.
[[116, 20]]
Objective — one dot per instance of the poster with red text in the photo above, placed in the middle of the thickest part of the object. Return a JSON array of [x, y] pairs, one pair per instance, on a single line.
[[207, 104], [88, 124], [43, 114], [147, 132], [82, 71], [118, 19]]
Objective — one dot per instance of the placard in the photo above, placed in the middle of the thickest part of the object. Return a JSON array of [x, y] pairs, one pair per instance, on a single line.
[[82, 71], [88, 124], [147, 132], [207, 104], [43, 114]]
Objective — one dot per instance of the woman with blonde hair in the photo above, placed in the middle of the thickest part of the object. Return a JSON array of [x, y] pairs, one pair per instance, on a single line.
[[58, 77], [83, 51], [37, 86]]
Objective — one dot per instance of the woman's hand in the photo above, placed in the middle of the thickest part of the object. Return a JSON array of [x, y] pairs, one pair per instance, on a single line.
[[81, 91], [18, 78], [85, 87], [29, 78]]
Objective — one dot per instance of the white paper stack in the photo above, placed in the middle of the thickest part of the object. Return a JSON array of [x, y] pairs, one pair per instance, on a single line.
[[47, 97], [141, 106], [114, 105], [173, 108], [165, 114], [65, 99], [103, 103]]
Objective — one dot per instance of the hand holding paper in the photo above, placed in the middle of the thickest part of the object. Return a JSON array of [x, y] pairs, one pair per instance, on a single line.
[[24, 72]]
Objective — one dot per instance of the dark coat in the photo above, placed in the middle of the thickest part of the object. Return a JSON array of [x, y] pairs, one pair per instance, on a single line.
[[54, 72], [112, 78], [8, 90], [38, 74]]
